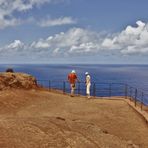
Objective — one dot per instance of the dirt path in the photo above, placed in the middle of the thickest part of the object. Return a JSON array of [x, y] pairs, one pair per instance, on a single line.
[[45, 119]]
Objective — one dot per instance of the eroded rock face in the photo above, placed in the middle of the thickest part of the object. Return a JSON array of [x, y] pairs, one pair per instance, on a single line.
[[17, 80]]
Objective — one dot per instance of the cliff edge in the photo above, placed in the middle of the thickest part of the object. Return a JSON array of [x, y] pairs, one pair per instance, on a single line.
[[17, 80]]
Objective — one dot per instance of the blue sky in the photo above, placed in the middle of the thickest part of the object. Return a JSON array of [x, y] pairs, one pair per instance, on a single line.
[[74, 31]]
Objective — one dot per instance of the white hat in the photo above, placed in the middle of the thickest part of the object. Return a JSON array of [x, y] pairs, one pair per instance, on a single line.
[[86, 73], [73, 71]]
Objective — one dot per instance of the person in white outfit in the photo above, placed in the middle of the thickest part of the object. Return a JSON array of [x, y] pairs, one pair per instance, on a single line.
[[88, 84]]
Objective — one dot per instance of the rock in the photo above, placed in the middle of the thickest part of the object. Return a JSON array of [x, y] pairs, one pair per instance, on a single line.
[[105, 131], [17, 80], [9, 70]]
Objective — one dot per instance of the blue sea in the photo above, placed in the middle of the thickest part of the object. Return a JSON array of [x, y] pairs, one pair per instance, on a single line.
[[134, 75]]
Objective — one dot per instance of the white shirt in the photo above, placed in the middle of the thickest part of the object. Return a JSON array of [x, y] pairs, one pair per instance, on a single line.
[[88, 80]]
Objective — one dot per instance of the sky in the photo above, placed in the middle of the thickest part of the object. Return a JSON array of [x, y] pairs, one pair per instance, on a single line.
[[74, 31]]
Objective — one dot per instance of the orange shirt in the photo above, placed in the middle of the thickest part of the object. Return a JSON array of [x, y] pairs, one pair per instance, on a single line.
[[72, 78]]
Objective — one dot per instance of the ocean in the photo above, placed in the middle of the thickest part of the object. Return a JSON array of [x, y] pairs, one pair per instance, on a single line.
[[134, 75]]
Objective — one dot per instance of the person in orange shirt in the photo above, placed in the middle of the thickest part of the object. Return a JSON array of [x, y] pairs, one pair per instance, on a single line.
[[72, 78]]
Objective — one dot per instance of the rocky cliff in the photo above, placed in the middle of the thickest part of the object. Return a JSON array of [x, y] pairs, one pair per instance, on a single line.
[[17, 80]]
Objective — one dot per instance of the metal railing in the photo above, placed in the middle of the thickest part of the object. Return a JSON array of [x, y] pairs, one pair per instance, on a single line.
[[99, 89]]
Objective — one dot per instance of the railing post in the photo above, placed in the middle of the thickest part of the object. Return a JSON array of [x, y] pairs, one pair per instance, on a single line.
[[49, 85], [142, 100], [78, 88], [126, 91], [135, 97], [110, 89], [130, 93], [63, 87], [94, 89]]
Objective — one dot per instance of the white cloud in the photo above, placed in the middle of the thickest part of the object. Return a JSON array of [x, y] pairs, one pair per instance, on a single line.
[[8, 7], [77, 41], [15, 48], [15, 45], [130, 40], [12, 22], [57, 22]]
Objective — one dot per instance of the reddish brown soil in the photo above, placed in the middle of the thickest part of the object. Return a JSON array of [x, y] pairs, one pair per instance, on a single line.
[[42, 119]]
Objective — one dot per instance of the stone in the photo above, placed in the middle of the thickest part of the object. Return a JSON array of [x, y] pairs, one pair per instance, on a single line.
[[17, 80]]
